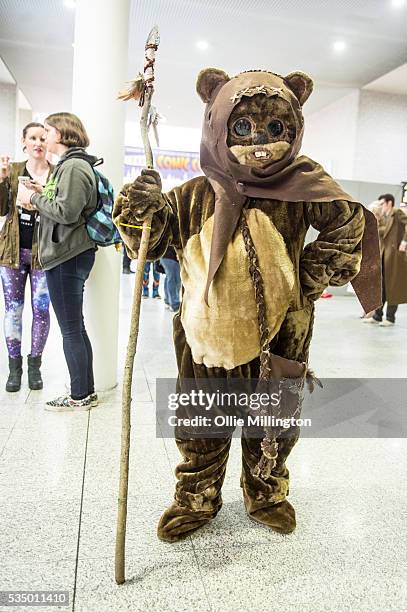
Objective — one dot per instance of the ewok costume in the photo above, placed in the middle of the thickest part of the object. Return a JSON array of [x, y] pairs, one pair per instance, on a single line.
[[249, 285]]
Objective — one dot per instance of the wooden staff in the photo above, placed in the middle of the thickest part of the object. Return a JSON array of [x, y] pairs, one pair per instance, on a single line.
[[142, 89]]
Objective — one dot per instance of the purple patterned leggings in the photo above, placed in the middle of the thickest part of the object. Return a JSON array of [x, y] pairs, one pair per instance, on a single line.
[[14, 282]]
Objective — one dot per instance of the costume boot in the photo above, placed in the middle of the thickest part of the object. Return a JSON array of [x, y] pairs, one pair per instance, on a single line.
[[198, 491], [265, 500], [16, 371], [34, 374]]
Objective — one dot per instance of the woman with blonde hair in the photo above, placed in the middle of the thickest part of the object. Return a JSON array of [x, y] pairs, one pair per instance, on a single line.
[[19, 258], [66, 250]]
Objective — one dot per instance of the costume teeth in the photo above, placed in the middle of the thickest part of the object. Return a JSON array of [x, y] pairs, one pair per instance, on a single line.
[[260, 154]]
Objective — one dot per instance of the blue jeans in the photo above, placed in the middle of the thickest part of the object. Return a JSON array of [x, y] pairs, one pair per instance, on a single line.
[[146, 278], [172, 283], [66, 284]]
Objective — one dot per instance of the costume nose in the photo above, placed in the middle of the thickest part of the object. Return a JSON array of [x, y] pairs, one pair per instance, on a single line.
[[260, 137]]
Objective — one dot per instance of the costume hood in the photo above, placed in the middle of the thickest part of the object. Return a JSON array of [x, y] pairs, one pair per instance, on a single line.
[[292, 179], [80, 153]]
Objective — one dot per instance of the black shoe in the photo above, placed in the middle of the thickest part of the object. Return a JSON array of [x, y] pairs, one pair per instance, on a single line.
[[34, 374], [16, 371]]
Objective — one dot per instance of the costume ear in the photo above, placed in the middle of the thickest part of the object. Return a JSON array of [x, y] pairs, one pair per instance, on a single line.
[[208, 80], [300, 84]]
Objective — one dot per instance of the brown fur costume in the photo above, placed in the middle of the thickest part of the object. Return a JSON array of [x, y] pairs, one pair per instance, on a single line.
[[247, 220]]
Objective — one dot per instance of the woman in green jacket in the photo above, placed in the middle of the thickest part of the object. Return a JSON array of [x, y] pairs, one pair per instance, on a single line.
[[19, 258], [66, 251]]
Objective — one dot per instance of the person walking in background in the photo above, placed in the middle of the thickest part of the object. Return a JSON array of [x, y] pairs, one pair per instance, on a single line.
[[172, 283], [126, 269], [19, 259], [66, 250], [156, 280], [375, 207], [392, 224]]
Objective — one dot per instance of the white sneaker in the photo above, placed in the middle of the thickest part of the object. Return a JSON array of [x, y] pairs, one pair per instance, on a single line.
[[386, 323], [371, 321]]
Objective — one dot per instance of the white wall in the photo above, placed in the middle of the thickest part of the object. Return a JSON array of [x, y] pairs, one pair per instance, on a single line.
[[24, 116], [381, 145], [330, 135], [8, 118], [360, 137]]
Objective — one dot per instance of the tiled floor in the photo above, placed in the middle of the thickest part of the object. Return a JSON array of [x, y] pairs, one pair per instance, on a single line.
[[58, 489]]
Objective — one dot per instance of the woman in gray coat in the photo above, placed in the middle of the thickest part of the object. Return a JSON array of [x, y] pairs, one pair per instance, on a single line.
[[66, 251]]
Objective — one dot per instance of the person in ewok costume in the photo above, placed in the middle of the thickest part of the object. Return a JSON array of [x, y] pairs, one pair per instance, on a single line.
[[249, 284]]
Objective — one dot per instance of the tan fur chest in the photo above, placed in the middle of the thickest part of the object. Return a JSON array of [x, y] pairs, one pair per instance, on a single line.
[[226, 334]]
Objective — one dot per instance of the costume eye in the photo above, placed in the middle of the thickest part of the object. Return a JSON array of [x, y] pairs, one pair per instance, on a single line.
[[276, 128], [242, 127]]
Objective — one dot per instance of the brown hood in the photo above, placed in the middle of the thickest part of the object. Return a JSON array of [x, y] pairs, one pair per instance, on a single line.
[[292, 179]]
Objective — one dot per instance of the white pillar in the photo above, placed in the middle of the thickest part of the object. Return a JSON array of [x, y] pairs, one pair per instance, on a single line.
[[99, 72], [8, 121]]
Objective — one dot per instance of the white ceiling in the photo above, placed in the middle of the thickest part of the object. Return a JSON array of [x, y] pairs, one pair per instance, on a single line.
[[281, 35]]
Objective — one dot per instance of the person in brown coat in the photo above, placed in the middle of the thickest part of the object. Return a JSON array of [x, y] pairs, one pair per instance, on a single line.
[[393, 247]]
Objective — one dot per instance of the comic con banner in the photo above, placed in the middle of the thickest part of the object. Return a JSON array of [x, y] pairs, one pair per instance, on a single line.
[[175, 167]]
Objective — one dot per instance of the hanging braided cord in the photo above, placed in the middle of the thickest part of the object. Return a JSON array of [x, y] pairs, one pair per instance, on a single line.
[[269, 444], [258, 284]]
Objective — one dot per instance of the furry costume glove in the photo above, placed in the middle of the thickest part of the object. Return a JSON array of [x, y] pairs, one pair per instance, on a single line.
[[143, 196], [134, 203]]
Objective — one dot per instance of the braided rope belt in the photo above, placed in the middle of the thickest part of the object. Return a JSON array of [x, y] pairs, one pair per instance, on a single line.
[[284, 376]]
